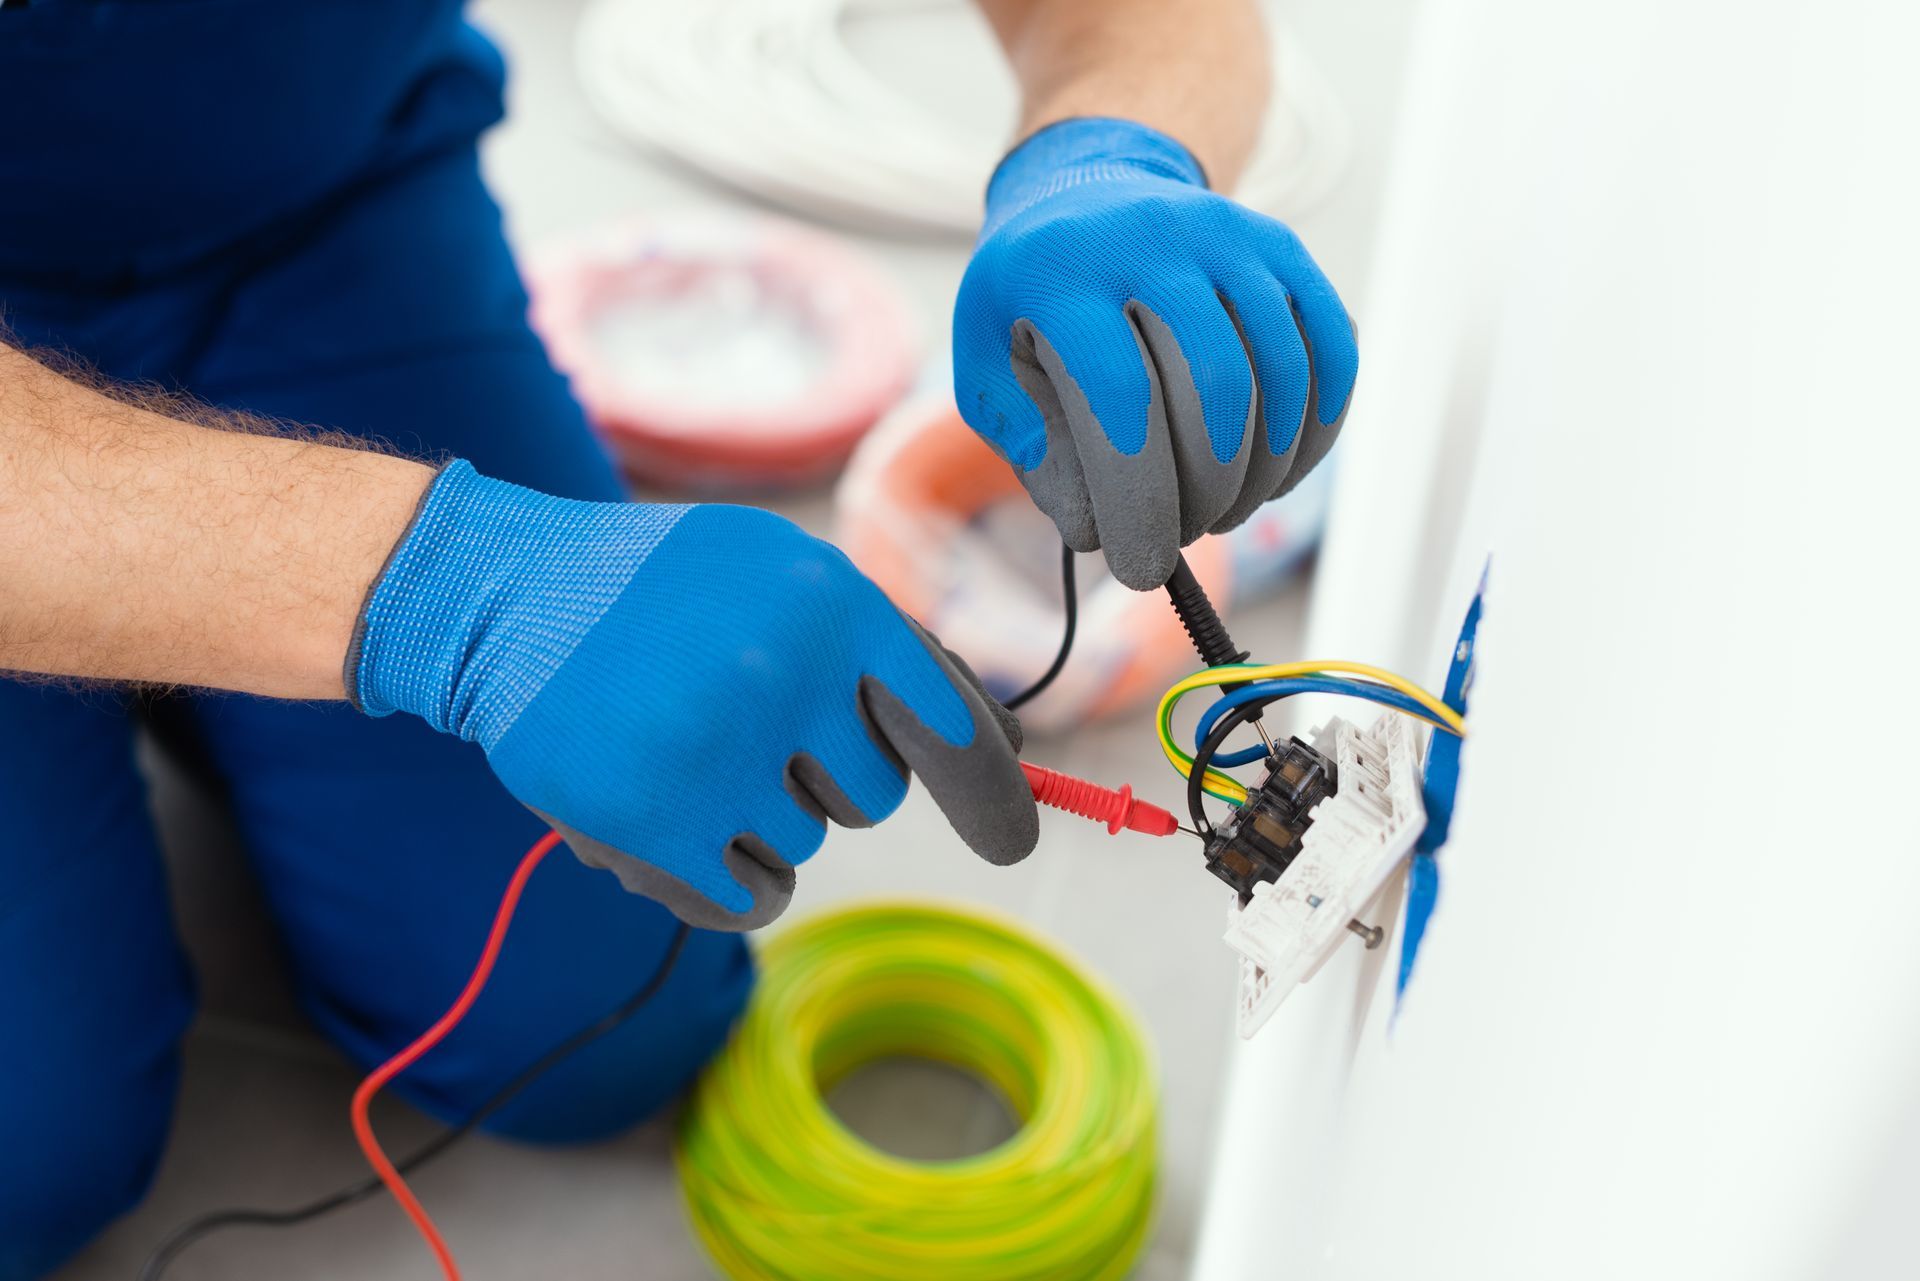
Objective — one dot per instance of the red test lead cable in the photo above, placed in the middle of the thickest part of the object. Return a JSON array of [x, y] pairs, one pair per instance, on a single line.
[[1117, 809], [362, 1097]]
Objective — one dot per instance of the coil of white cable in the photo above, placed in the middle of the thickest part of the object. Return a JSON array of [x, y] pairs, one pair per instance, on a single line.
[[766, 96], [723, 355]]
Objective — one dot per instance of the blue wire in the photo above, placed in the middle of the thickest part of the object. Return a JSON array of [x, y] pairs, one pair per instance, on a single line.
[[1294, 685]]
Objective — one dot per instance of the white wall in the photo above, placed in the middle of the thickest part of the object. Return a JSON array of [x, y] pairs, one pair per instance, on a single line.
[[1641, 327]]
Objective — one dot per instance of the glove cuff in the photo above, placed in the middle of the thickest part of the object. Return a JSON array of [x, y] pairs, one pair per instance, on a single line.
[[486, 594], [356, 644], [1079, 150]]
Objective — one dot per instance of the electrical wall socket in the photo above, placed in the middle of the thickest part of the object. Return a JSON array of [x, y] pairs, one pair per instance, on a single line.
[[1359, 836]]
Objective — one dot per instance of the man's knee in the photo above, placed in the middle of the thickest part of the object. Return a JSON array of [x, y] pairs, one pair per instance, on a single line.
[[72, 1165], [623, 1077]]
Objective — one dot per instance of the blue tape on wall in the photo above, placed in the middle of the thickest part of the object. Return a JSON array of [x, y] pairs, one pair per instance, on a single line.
[[1438, 788]]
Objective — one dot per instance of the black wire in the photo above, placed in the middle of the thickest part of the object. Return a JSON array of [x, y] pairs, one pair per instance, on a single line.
[[1233, 720], [1070, 601], [175, 1242]]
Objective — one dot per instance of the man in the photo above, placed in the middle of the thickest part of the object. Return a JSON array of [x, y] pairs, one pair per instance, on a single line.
[[277, 209]]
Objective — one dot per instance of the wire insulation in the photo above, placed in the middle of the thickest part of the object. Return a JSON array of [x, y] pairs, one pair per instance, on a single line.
[[778, 1188], [186, 1234], [1277, 690], [1226, 788], [378, 1078], [1196, 779], [1070, 607]]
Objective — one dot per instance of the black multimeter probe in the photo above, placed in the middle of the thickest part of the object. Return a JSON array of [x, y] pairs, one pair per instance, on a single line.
[[1208, 633]]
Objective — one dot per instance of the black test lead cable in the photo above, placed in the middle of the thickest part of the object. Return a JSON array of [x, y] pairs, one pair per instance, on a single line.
[[1070, 604], [187, 1233], [1209, 635], [176, 1242]]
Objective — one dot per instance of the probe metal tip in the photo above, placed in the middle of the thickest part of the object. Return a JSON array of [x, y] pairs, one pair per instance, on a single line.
[[1265, 737], [1373, 935]]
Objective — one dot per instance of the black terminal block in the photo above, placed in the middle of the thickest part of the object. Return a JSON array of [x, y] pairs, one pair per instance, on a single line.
[[1263, 836]]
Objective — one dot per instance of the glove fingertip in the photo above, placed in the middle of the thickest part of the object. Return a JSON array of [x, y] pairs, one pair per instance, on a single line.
[[1144, 567], [1009, 723], [980, 787], [761, 881], [1333, 353], [1007, 833]]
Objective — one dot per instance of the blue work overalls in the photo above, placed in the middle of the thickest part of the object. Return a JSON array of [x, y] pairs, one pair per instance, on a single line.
[[277, 208]]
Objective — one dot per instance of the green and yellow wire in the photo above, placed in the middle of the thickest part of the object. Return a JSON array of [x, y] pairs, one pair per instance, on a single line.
[[1225, 787], [778, 1189]]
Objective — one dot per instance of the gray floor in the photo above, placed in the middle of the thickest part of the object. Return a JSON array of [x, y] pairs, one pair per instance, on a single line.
[[262, 1119]]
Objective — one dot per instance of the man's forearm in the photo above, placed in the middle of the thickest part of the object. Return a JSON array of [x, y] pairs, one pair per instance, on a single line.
[[1196, 70], [136, 546]]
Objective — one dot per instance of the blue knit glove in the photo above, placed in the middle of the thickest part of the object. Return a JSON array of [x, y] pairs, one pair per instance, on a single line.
[[685, 692], [1155, 360]]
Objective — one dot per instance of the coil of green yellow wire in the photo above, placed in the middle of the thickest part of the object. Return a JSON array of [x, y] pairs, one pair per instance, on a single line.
[[778, 1189]]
